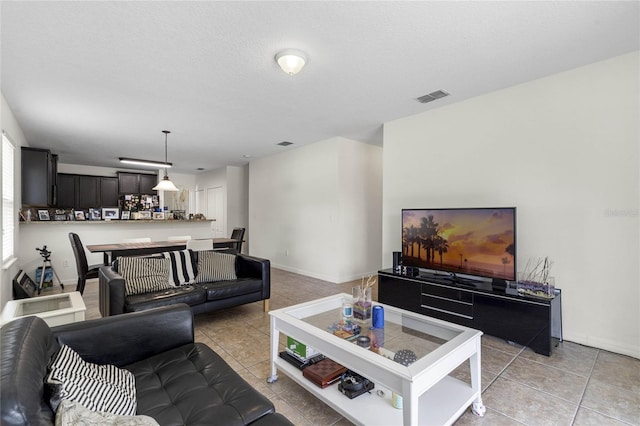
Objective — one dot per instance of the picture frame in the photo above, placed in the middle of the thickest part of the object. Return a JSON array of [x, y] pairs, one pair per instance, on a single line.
[[158, 215], [79, 215], [43, 215], [125, 215], [94, 214], [144, 215], [109, 213]]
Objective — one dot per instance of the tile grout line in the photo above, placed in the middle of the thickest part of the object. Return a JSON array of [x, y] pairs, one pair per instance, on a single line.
[[575, 414]]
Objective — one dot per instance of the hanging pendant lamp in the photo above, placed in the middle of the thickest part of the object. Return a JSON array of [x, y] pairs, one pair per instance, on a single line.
[[165, 184]]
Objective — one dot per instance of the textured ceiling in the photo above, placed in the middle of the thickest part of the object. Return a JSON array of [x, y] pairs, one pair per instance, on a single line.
[[94, 81]]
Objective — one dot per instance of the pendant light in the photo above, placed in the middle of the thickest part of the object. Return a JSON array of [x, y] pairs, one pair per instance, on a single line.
[[165, 184]]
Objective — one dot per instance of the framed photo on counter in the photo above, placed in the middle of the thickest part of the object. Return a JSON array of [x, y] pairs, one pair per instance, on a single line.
[[144, 215], [110, 213], [125, 215], [43, 215], [158, 215]]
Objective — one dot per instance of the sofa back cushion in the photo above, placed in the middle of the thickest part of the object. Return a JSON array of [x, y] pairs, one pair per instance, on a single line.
[[214, 266], [144, 274], [26, 345], [182, 267]]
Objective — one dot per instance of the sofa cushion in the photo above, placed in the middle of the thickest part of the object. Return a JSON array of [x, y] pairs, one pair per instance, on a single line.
[[182, 267], [223, 289], [104, 388], [144, 274], [191, 295], [213, 266], [193, 385]]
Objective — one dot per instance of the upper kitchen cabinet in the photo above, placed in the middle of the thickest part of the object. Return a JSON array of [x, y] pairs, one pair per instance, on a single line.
[[39, 173], [136, 183]]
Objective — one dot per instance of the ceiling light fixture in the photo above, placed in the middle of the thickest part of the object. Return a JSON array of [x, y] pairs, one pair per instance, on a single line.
[[147, 163], [165, 184], [291, 60]]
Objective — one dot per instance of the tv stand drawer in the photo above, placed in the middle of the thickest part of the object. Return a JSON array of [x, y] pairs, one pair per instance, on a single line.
[[449, 301]]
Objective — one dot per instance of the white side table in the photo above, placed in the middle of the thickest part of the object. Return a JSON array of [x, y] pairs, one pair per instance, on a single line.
[[55, 309]]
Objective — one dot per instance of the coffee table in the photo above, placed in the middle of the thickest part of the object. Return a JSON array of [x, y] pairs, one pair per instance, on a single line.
[[430, 395]]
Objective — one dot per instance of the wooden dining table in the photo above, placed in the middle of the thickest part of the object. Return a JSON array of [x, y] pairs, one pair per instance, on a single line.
[[113, 250]]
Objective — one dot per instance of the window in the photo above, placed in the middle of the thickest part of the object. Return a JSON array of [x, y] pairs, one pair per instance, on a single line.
[[8, 203]]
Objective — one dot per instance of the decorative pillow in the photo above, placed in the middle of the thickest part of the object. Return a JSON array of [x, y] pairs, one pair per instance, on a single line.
[[144, 274], [72, 413], [181, 267], [213, 266], [104, 388]]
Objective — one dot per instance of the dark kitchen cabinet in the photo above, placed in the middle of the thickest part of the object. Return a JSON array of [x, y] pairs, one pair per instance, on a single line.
[[67, 191], [147, 182], [88, 192], [83, 192], [109, 192], [39, 168], [136, 183]]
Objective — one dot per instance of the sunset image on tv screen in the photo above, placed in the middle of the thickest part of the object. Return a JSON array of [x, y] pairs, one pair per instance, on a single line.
[[477, 242]]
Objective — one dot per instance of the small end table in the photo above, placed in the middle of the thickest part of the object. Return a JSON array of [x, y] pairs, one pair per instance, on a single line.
[[55, 309]]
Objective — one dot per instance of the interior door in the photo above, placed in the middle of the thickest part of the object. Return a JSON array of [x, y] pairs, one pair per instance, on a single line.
[[216, 210]]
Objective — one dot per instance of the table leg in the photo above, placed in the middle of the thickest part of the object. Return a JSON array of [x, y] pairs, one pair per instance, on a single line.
[[274, 352], [409, 404], [478, 407]]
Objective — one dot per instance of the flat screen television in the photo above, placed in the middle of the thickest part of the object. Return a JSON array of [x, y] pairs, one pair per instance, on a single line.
[[475, 242]]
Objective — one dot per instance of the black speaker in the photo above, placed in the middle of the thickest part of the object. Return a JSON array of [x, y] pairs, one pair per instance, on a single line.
[[397, 261]]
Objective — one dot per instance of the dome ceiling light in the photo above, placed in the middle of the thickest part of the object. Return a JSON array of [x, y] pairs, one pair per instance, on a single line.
[[291, 60]]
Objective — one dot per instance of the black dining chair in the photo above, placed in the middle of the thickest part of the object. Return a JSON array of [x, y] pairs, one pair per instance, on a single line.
[[238, 234], [85, 271]]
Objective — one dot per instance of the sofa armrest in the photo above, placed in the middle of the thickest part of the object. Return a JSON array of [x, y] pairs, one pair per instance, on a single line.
[[123, 339], [255, 267], [111, 292]]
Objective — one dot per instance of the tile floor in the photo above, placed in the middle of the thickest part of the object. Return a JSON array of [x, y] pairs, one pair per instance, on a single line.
[[577, 385]]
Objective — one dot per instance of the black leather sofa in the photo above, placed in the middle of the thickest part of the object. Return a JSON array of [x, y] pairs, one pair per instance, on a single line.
[[253, 284], [178, 382]]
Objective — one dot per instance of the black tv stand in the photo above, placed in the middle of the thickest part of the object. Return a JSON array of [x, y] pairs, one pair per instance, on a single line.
[[484, 305]]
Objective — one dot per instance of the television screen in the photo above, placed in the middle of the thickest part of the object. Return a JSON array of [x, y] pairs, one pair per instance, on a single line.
[[470, 241]]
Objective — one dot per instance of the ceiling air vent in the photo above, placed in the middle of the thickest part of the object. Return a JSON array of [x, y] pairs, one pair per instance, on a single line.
[[432, 96], [285, 143]]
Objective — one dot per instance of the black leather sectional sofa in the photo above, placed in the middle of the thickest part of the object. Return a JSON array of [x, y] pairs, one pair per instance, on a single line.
[[253, 284], [178, 382]]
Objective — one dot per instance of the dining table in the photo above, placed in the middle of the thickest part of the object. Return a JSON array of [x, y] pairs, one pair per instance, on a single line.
[[114, 250]]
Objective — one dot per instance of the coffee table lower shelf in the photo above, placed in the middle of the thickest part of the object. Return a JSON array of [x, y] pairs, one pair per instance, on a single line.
[[442, 404]]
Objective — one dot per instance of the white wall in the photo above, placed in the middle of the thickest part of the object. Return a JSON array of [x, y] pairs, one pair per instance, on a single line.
[[313, 210], [564, 150], [15, 135]]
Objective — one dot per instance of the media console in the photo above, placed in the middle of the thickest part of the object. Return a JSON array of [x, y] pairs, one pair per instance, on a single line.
[[529, 321]]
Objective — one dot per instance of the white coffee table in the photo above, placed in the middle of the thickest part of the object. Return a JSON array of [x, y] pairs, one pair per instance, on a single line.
[[55, 309], [430, 395]]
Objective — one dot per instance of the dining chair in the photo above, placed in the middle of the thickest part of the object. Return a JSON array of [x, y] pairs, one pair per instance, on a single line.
[[137, 240], [179, 238], [238, 234], [200, 245], [85, 271]]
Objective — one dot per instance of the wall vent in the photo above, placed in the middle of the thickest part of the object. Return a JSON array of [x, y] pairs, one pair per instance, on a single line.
[[285, 143], [438, 94]]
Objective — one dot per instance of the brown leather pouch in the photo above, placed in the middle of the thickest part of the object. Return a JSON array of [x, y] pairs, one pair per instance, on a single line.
[[324, 372]]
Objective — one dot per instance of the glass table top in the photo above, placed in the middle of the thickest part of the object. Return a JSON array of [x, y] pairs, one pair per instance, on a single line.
[[405, 338]]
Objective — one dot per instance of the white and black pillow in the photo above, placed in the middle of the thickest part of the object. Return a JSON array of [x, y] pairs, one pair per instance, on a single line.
[[144, 274], [102, 388], [214, 266], [182, 267]]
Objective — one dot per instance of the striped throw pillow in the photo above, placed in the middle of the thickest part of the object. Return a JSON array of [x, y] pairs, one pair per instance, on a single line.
[[144, 274], [181, 267], [213, 266], [103, 388]]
